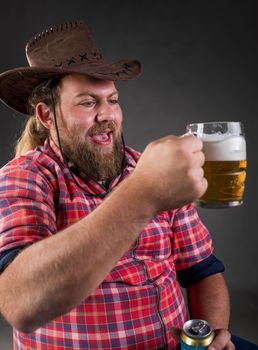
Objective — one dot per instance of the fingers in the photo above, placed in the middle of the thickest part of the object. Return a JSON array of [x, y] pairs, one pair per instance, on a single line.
[[222, 341], [178, 162], [194, 143], [230, 346], [203, 186], [193, 146], [199, 158]]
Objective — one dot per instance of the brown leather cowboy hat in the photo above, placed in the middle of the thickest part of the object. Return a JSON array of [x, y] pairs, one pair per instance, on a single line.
[[63, 49]]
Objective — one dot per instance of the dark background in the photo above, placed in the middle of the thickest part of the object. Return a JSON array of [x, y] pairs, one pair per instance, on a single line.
[[200, 64]]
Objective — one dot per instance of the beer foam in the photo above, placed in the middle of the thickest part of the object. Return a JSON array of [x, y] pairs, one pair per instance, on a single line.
[[224, 147]]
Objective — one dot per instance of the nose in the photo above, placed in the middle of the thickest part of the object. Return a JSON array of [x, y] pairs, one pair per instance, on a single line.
[[105, 113]]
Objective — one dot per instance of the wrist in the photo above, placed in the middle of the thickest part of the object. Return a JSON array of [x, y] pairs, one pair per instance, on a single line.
[[141, 196]]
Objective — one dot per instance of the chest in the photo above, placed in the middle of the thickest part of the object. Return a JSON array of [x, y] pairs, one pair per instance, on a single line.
[[153, 241]]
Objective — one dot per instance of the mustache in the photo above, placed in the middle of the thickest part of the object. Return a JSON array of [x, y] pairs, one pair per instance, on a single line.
[[98, 128]]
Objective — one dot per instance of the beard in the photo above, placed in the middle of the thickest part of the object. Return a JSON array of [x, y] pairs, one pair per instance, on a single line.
[[99, 164]]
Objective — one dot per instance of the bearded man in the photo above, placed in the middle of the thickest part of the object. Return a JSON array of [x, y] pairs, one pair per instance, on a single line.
[[96, 239]]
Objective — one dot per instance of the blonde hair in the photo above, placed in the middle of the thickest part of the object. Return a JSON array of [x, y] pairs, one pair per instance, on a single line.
[[34, 133]]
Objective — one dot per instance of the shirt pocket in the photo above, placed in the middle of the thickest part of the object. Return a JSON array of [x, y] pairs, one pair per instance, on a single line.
[[153, 250], [154, 242], [149, 258]]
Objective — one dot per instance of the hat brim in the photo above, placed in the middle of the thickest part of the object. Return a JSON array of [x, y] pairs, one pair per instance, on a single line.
[[16, 85]]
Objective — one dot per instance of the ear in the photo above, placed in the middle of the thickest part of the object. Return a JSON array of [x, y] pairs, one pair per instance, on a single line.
[[44, 114]]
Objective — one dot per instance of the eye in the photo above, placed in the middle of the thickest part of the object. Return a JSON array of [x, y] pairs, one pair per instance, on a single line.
[[113, 101], [89, 103]]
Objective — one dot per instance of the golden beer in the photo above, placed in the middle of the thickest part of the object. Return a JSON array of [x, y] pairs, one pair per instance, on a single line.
[[226, 182], [224, 147]]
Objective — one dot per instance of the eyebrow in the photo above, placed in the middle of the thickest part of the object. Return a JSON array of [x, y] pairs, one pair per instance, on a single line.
[[89, 93]]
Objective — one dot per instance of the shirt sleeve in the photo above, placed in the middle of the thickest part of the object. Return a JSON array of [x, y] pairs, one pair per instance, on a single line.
[[203, 269], [27, 212], [191, 241]]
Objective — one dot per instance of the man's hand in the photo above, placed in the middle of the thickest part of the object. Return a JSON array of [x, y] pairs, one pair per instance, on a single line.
[[222, 341], [170, 171]]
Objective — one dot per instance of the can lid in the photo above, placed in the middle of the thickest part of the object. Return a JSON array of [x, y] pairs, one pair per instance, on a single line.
[[197, 333]]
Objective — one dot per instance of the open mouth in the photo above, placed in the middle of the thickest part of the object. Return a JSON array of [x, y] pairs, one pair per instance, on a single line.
[[102, 138]]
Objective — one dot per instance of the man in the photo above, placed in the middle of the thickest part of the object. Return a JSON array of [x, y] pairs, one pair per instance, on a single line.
[[95, 238]]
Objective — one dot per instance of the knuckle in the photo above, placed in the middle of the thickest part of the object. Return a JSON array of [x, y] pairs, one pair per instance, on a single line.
[[199, 142], [202, 158], [198, 191], [152, 144], [200, 188], [195, 173], [222, 339], [184, 155], [191, 174]]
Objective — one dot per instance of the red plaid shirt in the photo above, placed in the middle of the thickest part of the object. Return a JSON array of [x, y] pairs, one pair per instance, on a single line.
[[140, 299]]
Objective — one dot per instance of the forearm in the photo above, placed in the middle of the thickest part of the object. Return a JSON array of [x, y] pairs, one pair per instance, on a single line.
[[208, 299], [52, 276]]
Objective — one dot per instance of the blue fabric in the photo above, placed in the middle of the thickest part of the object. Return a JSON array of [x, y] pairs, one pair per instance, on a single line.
[[195, 273], [242, 344], [7, 257]]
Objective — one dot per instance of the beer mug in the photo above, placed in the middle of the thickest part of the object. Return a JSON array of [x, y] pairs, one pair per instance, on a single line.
[[224, 147]]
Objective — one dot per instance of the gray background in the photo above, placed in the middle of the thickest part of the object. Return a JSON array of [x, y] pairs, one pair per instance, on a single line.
[[200, 64]]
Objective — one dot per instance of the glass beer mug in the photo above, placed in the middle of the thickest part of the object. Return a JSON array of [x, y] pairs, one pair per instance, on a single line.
[[224, 147]]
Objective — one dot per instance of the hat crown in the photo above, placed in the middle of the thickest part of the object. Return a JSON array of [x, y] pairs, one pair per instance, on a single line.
[[63, 49], [63, 46]]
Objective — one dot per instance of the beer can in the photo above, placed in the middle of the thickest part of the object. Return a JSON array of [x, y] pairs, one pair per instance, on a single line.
[[196, 334]]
